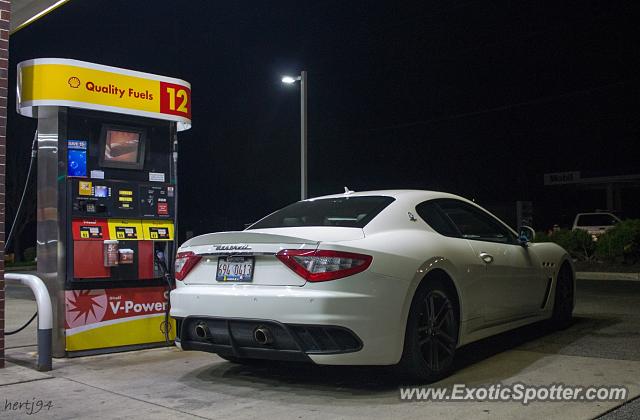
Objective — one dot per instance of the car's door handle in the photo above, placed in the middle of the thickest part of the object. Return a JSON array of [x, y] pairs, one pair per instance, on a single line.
[[486, 257]]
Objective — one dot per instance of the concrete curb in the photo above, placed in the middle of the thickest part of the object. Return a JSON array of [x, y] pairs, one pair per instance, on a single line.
[[582, 275]]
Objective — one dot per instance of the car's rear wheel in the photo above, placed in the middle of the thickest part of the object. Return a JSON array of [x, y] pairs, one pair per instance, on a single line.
[[431, 337], [563, 299]]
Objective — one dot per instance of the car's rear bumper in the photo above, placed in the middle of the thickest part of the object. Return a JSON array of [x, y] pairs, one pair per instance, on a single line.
[[374, 320], [290, 342]]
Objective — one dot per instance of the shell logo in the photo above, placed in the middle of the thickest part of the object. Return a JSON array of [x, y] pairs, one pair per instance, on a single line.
[[74, 82]]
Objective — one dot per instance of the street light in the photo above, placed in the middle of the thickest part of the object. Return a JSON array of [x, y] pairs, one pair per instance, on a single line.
[[290, 80]]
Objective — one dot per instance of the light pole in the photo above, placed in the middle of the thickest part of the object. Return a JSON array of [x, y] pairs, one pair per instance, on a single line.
[[289, 80]]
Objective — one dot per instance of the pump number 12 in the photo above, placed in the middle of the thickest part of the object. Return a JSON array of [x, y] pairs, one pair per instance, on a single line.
[[175, 99]]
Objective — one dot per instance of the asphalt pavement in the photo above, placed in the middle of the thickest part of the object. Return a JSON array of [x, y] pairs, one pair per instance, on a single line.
[[602, 347]]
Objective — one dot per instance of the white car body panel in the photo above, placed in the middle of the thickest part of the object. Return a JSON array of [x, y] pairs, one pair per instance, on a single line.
[[516, 289]]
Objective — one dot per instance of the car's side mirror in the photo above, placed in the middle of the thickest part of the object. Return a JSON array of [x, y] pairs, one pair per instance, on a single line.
[[526, 235]]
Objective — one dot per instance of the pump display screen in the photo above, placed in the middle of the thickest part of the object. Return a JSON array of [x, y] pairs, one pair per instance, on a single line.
[[77, 163], [77, 158], [122, 147], [101, 191]]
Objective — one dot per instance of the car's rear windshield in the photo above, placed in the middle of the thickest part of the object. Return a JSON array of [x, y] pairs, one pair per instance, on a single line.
[[596, 220], [342, 211]]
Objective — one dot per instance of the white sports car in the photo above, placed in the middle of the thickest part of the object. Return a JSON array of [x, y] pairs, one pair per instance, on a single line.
[[369, 278]]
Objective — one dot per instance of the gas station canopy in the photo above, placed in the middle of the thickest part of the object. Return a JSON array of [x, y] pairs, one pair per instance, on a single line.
[[24, 12]]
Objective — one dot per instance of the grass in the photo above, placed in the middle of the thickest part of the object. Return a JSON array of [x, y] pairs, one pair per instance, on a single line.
[[20, 264]]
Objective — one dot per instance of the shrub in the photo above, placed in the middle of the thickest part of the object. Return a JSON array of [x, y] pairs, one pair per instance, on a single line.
[[29, 253], [542, 237], [578, 243], [621, 243]]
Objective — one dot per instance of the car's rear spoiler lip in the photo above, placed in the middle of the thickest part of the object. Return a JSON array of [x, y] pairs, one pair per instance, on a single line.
[[244, 237]]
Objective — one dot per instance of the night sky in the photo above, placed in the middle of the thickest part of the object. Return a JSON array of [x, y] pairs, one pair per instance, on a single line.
[[478, 98]]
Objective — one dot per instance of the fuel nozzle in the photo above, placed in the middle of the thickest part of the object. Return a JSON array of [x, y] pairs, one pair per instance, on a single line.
[[161, 261]]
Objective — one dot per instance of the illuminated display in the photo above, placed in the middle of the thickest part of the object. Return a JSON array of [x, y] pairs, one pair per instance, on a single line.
[[76, 162], [122, 147], [101, 191], [77, 158]]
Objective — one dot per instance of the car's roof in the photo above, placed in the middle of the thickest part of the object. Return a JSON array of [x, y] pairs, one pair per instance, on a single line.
[[397, 194], [403, 198]]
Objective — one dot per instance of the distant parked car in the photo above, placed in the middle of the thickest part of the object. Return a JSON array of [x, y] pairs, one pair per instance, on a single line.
[[595, 223]]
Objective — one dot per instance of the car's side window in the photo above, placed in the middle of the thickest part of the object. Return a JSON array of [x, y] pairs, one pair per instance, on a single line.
[[475, 224], [431, 213]]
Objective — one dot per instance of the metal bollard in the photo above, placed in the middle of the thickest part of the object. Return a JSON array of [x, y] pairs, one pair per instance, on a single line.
[[45, 316]]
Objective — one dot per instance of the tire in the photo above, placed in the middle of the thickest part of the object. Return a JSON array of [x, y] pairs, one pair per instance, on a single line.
[[563, 299], [431, 336]]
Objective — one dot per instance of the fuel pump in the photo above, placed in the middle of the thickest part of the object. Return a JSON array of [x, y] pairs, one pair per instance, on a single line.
[[107, 199]]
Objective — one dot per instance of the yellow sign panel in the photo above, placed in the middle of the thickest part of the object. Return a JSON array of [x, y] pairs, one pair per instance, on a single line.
[[85, 188], [123, 333], [125, 230], [155, 230], [78, 84]]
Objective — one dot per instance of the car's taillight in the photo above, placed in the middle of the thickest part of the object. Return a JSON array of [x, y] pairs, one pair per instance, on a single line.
[[185, 261], [323, 265]]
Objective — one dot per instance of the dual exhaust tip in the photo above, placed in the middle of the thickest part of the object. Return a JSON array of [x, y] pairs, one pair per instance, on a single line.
[[261, 335], [202, 331]]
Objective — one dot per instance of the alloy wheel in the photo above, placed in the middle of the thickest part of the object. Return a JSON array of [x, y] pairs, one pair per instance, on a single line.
[[437, 331]]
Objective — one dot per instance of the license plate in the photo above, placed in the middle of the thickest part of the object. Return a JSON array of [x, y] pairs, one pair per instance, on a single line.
[[237, 269]]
